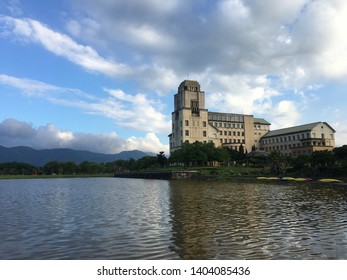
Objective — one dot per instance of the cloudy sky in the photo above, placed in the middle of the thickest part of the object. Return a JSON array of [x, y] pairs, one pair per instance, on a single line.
[[101, 75]]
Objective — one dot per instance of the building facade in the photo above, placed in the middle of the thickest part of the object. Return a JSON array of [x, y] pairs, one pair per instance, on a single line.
[[191, 122], [300, 140]]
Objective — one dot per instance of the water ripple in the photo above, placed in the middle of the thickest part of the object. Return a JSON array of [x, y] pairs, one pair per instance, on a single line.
[[109, 218]]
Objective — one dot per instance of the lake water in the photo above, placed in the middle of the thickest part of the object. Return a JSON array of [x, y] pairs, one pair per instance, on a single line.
[[115, 218]]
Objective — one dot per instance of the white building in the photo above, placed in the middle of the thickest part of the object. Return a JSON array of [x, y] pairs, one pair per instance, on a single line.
[[300, 140], [192, 122]]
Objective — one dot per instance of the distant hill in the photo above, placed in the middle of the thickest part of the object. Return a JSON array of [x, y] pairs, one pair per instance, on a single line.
[[41, 157]]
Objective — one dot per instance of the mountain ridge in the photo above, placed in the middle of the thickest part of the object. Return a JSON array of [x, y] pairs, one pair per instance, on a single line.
[[40, 157]]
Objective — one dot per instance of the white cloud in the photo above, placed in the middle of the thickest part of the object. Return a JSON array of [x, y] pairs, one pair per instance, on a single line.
[[140, 113], [245, 54], [150, 142], [31, 87], [240, 93], [137, 111], [11, 128], [18, 133], [14, 7], [62, 45], [341, 132], [26, 85], [284, 114]]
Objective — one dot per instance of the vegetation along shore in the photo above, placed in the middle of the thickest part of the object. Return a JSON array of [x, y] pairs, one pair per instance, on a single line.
[[206, 162]]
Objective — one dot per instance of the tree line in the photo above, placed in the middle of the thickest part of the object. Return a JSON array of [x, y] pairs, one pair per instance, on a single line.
[[84, 168], [322, 163]]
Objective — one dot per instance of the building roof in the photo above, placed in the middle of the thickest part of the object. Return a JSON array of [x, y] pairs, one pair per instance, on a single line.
[[261, 121], [295, 129]]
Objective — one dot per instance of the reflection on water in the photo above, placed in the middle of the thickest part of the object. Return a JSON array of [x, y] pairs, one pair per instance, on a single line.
[[113, 218], [248, 221]]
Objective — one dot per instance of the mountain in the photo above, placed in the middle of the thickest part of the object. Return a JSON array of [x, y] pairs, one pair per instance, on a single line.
[[41, 157]]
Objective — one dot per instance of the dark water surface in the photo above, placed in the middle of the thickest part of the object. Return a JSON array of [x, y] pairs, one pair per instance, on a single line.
[[114, 218]]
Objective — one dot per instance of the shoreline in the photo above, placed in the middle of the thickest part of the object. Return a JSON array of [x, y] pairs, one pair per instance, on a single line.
[[13, 177], [183, 175]]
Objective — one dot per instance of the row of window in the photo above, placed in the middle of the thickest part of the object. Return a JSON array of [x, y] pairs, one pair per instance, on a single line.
[[298, 145], [229, 125], [232, 141], [186, 133], [287, 138], [225, 117], [232, 133], [282, 147], [258, 126]]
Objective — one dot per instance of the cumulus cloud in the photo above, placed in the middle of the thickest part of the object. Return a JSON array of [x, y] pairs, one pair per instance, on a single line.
[[18, 133], [221, 43], [11, 128], [241, 93], [284, 114], [246, 54]]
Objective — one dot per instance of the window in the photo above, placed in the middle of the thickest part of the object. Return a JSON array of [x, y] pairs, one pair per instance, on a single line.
[[204, 124], [186, 122], [186, 132], [204, 134]]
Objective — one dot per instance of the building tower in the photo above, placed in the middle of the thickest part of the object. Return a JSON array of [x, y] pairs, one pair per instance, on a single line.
[[190, 118]]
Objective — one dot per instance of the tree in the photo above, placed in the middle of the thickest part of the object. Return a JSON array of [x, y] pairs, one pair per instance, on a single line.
[[198, 154], [278, 163], [52, 167], [161, 158], [322, 159], [69, 167], [17, 168]]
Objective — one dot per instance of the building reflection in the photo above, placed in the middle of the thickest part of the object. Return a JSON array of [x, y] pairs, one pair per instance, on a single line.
[[212, 222]]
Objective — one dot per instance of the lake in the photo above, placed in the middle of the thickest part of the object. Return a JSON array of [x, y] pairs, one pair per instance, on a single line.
[[115, 218]]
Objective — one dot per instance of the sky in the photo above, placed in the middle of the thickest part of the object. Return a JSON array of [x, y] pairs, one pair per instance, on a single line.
[[101, 75]]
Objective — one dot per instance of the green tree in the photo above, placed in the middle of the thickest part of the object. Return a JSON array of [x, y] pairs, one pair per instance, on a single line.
[[277, 163], [161, 158], [17, 168], [69, 167], [52, 167]]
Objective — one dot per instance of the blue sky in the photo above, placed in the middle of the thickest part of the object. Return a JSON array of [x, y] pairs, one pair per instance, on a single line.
[[101, 75]]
